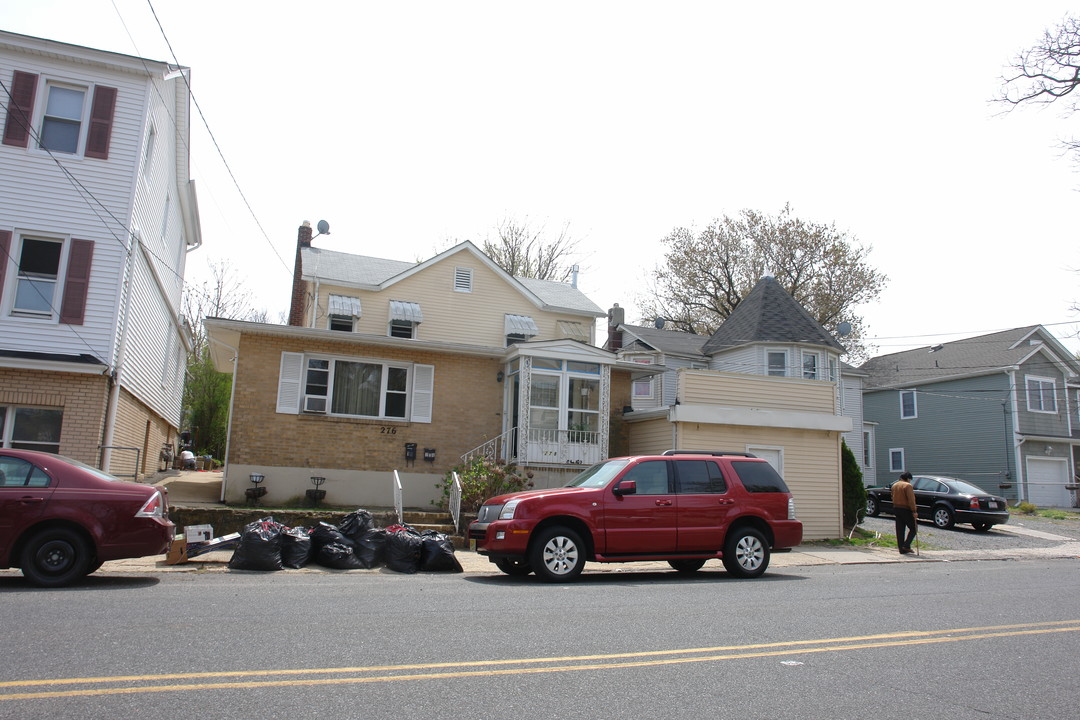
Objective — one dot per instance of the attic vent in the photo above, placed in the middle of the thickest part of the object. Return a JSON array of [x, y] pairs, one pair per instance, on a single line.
[[462, 279]]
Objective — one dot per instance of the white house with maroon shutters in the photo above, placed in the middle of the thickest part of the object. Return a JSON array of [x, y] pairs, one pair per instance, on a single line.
[[97, 215]]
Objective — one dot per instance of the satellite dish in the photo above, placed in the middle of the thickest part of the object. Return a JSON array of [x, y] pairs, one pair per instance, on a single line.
[[843, 329], [659, 323], [323, 227]]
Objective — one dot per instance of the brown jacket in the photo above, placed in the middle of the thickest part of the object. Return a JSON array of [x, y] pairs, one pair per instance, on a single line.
[[903, 495]]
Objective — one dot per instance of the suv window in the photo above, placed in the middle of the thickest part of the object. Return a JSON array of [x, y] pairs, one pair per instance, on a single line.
[[697, 477], [651, 477], [759, 477]]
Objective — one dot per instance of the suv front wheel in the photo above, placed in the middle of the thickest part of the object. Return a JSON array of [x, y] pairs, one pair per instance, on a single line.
[[746, 553], [557, 555]]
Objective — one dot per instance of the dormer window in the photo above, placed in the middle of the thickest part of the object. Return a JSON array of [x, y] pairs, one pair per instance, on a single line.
[[342, 312], [778, 362], [404, 319], [519, 328]]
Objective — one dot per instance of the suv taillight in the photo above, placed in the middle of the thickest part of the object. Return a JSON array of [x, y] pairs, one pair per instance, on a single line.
[[791, 508], [154, 507]]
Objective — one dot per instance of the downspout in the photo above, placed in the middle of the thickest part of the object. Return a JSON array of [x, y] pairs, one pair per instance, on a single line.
[[1021, 487], [228, 426], [109, 431], [315, 304]]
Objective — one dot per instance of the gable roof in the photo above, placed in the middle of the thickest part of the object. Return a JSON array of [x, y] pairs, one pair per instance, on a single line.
[[980, 355], [377, 274], [768, 314], [670, 342]]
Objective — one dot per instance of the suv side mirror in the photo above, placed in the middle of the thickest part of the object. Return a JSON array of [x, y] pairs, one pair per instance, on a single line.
[[626, 487]]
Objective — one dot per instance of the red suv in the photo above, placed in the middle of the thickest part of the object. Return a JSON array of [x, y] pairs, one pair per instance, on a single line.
[[684, 507]]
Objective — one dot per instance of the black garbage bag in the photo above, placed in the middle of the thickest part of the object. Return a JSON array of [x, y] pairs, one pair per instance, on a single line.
[[259, 547], [356, 523], [295, 547], [326, 534], [437, 553], [338, 556], [371, 548], [403, 551]]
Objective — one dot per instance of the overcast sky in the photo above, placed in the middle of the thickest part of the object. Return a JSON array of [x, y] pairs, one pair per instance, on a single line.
[[407, 125]]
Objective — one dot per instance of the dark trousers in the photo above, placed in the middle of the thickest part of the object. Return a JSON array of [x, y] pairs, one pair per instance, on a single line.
[[905, 519]]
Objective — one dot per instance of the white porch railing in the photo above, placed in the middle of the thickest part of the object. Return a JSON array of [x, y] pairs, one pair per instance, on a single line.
[[563, 447], [397, 497], [498, 449], [455, 501]]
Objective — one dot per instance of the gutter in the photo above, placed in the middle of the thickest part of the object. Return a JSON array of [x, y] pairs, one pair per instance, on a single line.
[[232, 398]]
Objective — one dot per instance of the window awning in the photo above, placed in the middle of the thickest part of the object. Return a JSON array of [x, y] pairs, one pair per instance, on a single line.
[[407, 311], [573, 330], [521, 325], [344, 305]]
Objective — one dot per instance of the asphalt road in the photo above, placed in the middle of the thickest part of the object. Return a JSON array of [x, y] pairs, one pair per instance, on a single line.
[[1022, 531], [882, 641]]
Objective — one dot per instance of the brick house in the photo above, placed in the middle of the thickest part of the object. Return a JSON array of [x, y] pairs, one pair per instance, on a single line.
[[409, 367], [97, 214]]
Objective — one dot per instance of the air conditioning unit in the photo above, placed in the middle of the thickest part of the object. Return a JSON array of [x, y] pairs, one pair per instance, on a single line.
[[315, 403]]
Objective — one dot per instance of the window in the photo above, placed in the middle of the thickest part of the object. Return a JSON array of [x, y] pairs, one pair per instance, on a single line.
[[39, 268], [698, 477], [777, 362], [811, 366], [909, 407], [868, 453], [148, 152], [463, 279], [404, 319], [61, 125], [16, 472], [643, 389], [1041, 394], [583, 408], [342, 312], [29, 428], [651, 477], [519, 328], [362, 389], [896, 459], [759, 477]]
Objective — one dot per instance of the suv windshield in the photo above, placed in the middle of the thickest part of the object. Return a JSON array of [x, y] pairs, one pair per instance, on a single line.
[[598, 475]]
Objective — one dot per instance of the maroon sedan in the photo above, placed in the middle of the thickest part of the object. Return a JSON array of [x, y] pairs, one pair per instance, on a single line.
[[61, 519]]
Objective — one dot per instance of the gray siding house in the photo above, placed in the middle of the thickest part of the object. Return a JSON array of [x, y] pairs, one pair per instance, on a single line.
[[998, 410]]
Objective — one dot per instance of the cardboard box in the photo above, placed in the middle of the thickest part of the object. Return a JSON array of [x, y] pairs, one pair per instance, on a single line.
[[177, 551], [199, 533]]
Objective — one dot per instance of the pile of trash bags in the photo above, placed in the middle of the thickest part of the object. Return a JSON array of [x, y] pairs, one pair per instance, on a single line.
[[354, 544]]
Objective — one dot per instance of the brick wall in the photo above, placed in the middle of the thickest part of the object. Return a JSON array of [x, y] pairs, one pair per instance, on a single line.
[[140, 427], [82, 398]]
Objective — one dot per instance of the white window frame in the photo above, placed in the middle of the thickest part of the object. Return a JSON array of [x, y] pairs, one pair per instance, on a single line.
[[868, 449], [83, 120], [897, 453], [384, 391], [816, 357], [402, 325], [15, 276], [1040, 384], [914, 404], [768, 361], [646, 383]]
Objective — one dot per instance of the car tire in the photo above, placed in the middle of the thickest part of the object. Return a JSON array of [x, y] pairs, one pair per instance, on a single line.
[[557, 555], [982, 527], [55, 557], [686, 567], [943, 517], [746, 553], [872, 507], [513, 566]]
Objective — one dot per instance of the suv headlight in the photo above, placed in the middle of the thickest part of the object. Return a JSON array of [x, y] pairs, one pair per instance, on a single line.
[[508, 509]]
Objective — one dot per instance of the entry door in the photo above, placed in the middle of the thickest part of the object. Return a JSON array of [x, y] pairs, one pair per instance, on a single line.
[[1046, 480]]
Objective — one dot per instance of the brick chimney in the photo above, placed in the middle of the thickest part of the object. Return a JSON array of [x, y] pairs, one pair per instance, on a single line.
[[296, 305], [616, 317]]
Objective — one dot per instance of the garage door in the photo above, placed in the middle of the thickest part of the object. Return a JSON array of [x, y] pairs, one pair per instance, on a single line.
[[1046, 480]]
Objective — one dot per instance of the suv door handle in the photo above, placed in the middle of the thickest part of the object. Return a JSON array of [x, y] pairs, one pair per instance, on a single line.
[[663, 502]]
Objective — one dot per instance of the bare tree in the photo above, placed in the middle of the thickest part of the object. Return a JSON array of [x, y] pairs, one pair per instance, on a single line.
[[223, 296], [708, 273], [526, 251]]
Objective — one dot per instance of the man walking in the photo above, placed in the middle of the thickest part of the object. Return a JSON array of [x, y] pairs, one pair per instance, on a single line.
[[905, 511]]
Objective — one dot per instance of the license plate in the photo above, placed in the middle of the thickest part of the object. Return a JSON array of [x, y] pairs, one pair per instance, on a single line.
[[992, 505]]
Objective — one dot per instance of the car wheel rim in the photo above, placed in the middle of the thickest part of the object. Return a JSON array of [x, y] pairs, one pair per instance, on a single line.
[[941, 518], [55, 556], [560, 555], [749, 553]]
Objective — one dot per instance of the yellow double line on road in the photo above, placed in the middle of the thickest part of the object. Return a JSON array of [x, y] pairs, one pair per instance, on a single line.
[[246, 679]]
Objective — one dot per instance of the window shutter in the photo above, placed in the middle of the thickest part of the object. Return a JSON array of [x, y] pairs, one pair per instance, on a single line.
[[20, 109], [101, 121], [290, 381], [77, 282], [423, 392], [5, 254]]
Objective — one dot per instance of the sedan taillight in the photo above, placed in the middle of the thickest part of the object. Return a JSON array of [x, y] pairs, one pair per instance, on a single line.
[[974, 505], [154, 507]]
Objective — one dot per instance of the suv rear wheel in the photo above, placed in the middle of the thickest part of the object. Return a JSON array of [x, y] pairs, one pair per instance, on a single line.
[[557, 555], [746, 553]]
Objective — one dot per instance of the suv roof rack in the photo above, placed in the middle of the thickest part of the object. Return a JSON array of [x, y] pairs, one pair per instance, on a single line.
[[708, 452]]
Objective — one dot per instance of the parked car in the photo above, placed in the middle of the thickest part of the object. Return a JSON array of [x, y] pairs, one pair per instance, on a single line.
[[946, 501], [684, 509], [61, 519]]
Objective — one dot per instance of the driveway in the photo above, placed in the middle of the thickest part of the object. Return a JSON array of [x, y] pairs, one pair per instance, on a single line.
[[1022, 531]]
